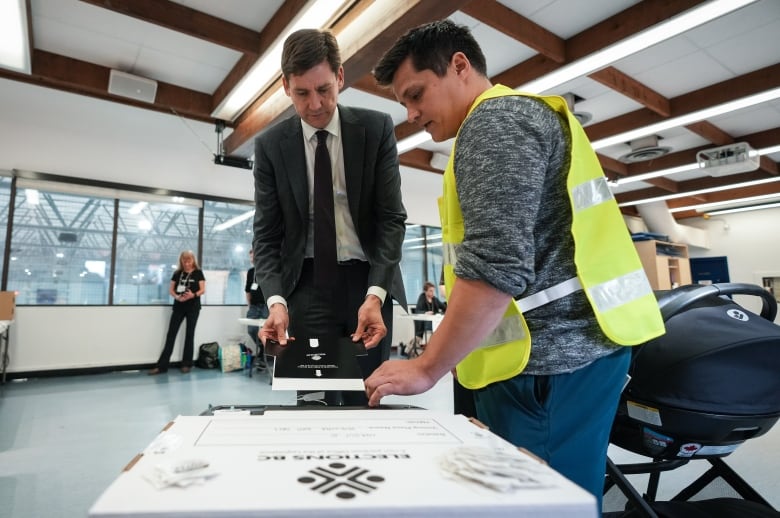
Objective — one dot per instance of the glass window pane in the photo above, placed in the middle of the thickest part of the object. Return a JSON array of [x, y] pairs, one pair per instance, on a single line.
[[412, 262], [61, 248], [227, 239], [150, 237]]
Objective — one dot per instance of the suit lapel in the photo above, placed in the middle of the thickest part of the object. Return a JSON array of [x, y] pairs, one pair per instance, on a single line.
[[354, 144], [294, 158]]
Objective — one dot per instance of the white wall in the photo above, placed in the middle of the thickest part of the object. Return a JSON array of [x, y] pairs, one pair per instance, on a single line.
[[750, 242]]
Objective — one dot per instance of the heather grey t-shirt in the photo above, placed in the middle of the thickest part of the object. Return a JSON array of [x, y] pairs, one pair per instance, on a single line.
[[511, 160]]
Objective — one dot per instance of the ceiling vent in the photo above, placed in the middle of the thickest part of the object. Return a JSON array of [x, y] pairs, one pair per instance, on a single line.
[[571, 101], [644, 149], [133, 87], [735, 158]]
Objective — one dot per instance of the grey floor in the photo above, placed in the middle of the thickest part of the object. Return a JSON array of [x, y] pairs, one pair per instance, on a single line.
[[63, 440]]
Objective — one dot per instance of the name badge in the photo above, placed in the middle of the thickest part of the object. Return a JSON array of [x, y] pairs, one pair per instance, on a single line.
[[254, 286], [181, 288]]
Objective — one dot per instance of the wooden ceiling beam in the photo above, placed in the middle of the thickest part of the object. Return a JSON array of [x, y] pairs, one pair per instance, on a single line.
[[517, 27], [357, 65], [616, 80], [180, 18], [272, 30], [745, 85], [80, 77], [419, 159]]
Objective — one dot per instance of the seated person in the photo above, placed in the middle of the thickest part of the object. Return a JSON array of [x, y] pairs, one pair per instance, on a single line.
[[428, 304]]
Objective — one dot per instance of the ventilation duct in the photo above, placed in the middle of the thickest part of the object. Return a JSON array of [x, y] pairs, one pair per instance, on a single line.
[[659, 220], [644, 149], [571, 101]]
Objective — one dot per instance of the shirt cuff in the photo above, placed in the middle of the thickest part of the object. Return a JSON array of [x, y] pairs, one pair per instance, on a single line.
[[379, 292], [276, 299]]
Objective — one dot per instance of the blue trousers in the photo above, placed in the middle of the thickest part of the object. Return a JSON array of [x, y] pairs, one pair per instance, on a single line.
[[565, 419]]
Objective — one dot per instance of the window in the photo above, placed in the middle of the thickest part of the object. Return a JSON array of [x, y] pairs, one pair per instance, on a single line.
[[421, 260], [227, 239], [61, 245], [150, 237]]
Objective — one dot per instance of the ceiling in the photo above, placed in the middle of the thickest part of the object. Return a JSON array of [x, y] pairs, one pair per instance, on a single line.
[[650, 99]]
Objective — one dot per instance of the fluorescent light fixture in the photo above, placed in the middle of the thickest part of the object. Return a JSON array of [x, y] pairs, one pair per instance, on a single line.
[[744, 209], [600, 59], [234, 221], [623, 180], [677, 25], [683, 120], [412, 141], [267, 68], [14, 40], [703, 207], [769, 150], [700, 191]]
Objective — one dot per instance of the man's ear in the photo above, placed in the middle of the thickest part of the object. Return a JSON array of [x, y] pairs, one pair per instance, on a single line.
[[286, 86], [460, 63]]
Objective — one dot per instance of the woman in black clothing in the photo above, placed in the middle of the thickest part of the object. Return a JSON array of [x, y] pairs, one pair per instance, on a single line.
[[187, 286]]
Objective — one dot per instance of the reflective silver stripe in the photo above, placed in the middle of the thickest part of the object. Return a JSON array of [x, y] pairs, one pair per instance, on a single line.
[[621, 290], [448, 252], [509, 329], [590, 193], [552, 293]]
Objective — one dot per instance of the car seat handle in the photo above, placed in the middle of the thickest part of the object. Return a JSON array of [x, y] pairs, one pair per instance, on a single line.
[[684, 296]]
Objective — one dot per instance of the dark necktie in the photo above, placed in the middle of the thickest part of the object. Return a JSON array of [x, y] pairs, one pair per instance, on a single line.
[[325, 259]]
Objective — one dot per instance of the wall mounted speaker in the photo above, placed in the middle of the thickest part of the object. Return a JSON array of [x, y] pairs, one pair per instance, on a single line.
[[134, 87]]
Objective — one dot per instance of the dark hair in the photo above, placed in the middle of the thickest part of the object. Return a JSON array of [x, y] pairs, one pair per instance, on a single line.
[[308, 48], [431, 47], [428, 284]]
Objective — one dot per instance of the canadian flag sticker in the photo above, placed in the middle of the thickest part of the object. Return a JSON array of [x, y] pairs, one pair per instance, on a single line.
[[689, 449]]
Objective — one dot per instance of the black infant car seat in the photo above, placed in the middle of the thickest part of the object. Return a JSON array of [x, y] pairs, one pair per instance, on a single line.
[[698, 392]]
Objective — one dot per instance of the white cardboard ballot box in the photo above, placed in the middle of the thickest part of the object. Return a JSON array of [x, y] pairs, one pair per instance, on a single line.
[[338, 463]]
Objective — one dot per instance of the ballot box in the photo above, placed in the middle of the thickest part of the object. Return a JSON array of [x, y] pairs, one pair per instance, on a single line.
[[337, 463]]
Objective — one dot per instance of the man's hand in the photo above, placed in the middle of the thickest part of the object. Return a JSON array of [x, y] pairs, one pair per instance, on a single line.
[[275, 326], [401, 377], [370, 328]]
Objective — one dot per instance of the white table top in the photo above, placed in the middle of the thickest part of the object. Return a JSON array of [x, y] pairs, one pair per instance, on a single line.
[[342, 463], [252, 321]]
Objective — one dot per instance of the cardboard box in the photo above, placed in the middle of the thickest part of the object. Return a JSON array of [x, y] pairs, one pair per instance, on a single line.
[[7, 305], [337, 463]]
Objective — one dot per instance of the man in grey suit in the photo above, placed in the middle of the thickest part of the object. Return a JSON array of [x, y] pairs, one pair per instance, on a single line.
[[369, 214]]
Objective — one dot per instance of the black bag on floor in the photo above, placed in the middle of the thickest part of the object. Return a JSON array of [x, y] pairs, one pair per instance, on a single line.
[[208, 356]]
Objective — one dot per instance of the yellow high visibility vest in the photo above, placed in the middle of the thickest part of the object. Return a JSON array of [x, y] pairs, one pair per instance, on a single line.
[[608, 267]]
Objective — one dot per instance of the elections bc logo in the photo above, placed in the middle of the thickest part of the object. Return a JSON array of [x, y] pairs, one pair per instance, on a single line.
[[346, 481]]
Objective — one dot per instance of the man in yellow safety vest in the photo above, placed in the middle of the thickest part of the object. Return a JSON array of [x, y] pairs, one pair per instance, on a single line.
[[544, 285]]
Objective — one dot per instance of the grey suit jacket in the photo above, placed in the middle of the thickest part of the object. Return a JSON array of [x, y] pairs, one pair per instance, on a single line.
[[373, 190]]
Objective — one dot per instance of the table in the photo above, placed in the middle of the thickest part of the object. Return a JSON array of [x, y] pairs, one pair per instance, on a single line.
[[5, 326], [341, 463]]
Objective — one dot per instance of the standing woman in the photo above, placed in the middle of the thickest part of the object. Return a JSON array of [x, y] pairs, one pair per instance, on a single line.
[[187, 286]]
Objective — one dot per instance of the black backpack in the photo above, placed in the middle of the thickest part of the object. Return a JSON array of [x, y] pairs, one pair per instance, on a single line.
[[208, 356]]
